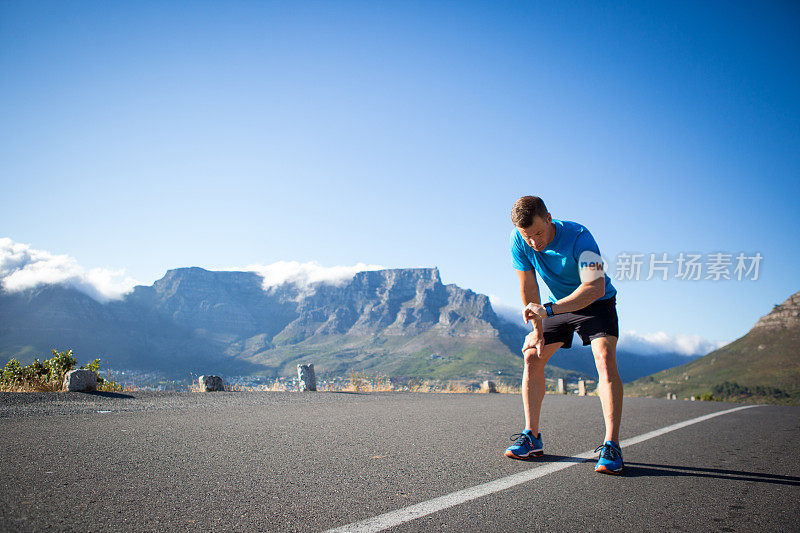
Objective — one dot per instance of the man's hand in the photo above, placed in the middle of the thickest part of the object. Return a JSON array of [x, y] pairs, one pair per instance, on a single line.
[[535, 340], [534, 311]]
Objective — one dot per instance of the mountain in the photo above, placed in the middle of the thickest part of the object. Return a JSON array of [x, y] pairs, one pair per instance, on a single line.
[[400, 322], [763, 365]]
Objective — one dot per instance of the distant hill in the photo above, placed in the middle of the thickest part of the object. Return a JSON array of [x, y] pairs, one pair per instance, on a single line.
[[761, 366], [399, 322]]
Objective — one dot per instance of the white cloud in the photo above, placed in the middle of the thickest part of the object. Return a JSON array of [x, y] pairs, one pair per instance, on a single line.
[[305, 275], [22, 267], [660, 342]]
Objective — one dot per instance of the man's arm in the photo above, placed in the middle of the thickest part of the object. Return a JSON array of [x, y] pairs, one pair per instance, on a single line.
[[529, 290], [585, 294]]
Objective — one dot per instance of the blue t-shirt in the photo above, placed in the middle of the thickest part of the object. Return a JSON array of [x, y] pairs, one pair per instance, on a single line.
[[557, 264]]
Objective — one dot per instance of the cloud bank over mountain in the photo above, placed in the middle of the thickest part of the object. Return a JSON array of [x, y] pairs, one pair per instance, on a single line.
[[305, 275], [660, 342], [508, 312], [23, 267]]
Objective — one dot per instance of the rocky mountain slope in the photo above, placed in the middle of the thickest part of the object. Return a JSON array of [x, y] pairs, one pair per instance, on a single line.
[[763, 365]]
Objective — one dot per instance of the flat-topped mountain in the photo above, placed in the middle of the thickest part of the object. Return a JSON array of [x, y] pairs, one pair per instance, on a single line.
[[401, 322]]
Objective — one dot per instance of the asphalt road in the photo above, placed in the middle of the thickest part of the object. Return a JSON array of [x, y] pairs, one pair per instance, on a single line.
[[272, 461]]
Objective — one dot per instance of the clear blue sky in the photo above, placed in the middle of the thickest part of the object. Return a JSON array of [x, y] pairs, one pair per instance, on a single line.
[[155, 135]]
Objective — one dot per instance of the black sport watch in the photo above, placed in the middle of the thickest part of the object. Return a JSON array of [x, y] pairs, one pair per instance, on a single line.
[[549, 308]]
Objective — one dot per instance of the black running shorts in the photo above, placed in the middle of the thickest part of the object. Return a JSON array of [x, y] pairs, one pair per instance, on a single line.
[[598, 319]]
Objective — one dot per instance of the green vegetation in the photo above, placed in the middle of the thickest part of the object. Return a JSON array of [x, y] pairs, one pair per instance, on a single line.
[[48, 375], [732, 391]]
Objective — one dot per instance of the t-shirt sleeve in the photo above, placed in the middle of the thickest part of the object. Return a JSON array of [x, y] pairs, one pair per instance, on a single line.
[[518, 257], [584, 242]]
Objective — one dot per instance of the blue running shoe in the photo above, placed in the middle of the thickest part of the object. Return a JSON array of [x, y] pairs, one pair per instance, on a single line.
[[526, 445], [610, 461]]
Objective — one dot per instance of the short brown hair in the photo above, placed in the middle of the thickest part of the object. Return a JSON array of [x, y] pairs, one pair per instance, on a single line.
[[525, 209]]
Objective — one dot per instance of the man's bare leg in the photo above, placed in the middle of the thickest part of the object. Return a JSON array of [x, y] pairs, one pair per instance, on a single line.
[[609, 384], [533, 384]]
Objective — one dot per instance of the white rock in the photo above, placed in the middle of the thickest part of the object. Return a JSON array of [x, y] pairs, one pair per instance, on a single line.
[[80, 380], [210, 383]]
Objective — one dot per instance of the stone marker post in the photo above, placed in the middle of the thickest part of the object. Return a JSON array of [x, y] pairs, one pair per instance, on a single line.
[[581, 387], [561, 388], [488, 386], [306, 377], [210, 383], [80, 380]]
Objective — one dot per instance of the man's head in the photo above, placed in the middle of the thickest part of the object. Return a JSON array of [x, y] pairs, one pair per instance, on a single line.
[[533, 222]]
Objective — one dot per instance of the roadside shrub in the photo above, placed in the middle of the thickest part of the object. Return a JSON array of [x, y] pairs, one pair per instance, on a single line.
[[60, 364], [730, 389], [38, 370], [94, 366], [48, 375], [13, 373]]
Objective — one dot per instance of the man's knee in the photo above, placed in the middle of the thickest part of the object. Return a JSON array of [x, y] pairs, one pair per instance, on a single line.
[[606, 361], [532, 358], [530, 355], [538, 361]]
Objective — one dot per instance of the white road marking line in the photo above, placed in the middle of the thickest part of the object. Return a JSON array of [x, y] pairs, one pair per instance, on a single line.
[[412, 512]]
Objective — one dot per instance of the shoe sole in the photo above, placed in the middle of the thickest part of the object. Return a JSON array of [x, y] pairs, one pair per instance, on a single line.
[[604, 470], [537, 453]]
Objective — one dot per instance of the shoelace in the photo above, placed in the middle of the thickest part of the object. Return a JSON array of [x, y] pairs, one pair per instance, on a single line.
[[607, 451], [521, 438]]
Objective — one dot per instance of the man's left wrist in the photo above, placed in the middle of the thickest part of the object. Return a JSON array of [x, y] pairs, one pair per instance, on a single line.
[[549, 308]]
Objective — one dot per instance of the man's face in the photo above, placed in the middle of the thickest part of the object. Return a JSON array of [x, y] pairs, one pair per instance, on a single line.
[[537, 235]]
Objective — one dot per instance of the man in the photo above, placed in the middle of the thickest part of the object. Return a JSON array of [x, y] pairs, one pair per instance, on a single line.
[[567, 258]]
